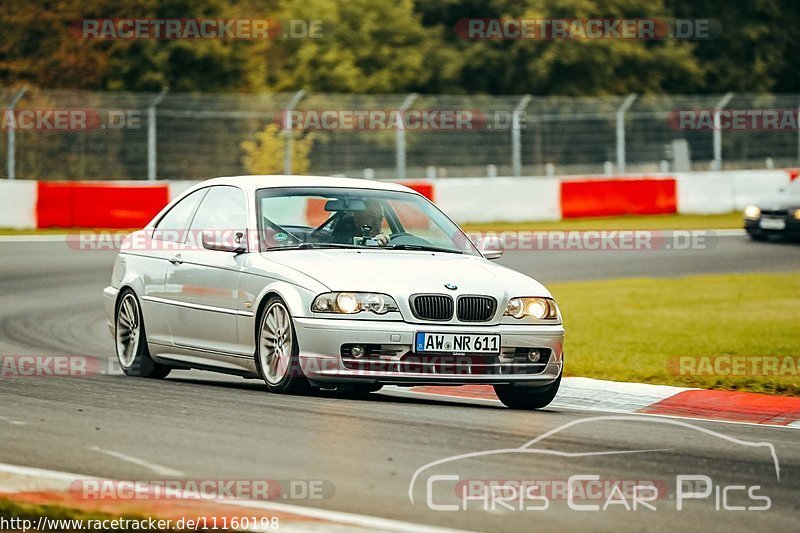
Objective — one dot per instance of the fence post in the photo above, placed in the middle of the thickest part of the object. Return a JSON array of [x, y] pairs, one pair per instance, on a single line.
[[621, 132], [400, 136], [151, 136], [287, 131], [11, 162], [516, 136], [717, 163]]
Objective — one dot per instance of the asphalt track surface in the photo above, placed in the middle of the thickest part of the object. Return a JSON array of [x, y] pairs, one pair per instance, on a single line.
[[198, 425]]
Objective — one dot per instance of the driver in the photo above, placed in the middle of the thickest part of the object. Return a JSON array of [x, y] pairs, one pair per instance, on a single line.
[[353, 225]]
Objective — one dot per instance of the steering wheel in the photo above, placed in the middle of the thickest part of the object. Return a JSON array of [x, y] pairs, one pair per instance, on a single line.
[[318, 229], [402, 237]]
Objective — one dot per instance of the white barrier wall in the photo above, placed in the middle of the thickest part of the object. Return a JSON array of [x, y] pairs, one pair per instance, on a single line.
[[499, 199], [707, 193], [176, 188], [477, 200], [18, 204]]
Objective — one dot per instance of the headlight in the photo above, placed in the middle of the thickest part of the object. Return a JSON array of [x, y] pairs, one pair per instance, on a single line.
[[796, 214], [350, 303], [538, 308], [752, 211]]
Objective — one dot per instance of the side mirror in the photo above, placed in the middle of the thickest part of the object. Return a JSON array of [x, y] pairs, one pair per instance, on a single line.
[[491, 246], [224, 241]]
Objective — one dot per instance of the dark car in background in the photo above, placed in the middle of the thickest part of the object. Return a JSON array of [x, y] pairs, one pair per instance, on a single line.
[[776, 216]]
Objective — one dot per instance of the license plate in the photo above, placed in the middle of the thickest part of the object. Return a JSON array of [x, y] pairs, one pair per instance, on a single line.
[[772, 223], [456, 343]]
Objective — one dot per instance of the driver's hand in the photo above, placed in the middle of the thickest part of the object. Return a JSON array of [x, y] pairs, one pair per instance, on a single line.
[[382, 239]]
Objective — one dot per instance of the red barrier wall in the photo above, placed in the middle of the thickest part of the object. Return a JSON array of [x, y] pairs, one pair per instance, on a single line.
[[422, 187], [609, 197], [316, 215], [98, 205]]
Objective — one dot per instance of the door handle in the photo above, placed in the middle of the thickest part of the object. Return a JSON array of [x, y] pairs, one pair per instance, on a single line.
[[176, 259]]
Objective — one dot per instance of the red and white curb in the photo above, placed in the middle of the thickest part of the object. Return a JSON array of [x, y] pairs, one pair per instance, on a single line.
[[47, 487], [620, 397]]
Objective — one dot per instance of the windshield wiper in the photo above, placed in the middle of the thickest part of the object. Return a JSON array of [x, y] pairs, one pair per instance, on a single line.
[[314, 245], [424, 248]]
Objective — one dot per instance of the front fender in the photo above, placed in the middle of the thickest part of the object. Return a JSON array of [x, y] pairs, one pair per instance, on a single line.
[[258, 290], [296, 298]]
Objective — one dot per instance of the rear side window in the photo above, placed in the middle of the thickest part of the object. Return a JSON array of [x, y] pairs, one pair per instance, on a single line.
[[173, 226]]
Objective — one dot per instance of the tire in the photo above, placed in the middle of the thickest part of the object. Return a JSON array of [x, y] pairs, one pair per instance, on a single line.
[[756, 237], [277, 350], [525, 397], [131, 340]]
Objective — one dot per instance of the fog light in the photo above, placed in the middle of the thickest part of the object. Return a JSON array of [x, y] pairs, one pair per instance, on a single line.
[[534, 356], [357, 351]]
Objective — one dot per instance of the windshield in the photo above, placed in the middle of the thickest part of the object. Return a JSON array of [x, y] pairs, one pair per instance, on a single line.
[[304, 217]]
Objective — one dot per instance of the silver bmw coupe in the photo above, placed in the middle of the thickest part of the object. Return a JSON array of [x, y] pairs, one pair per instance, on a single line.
[[318, 282]]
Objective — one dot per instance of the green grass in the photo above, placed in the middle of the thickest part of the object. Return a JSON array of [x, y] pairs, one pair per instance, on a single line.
[[628, 329], [664, 222]]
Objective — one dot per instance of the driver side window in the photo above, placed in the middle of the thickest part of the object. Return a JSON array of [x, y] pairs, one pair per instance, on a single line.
[[173, 226], [222, 210]]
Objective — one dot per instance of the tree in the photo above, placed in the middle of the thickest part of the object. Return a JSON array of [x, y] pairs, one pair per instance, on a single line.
[[366, 47], [565, 67], [755, 48], [43, 45], [265, 154]]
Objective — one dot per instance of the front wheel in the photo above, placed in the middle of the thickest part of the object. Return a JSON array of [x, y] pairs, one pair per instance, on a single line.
[[525, 397], [131, 340], [277, 350]]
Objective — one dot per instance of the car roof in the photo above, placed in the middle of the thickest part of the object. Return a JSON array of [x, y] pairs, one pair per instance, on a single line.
[[270, 181]]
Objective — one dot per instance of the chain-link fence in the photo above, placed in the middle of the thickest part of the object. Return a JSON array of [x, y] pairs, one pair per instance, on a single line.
[[57, 134]]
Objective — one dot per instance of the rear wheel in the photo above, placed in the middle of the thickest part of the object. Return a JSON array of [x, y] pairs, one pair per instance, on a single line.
[[527, 397], [277, 350], [131, 340]]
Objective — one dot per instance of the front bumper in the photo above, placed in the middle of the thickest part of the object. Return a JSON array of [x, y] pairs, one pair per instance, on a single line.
[[320, 342], [790, 231]]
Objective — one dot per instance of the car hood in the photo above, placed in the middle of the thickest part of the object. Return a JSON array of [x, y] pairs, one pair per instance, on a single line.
[[401, 273], [777, 202]]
